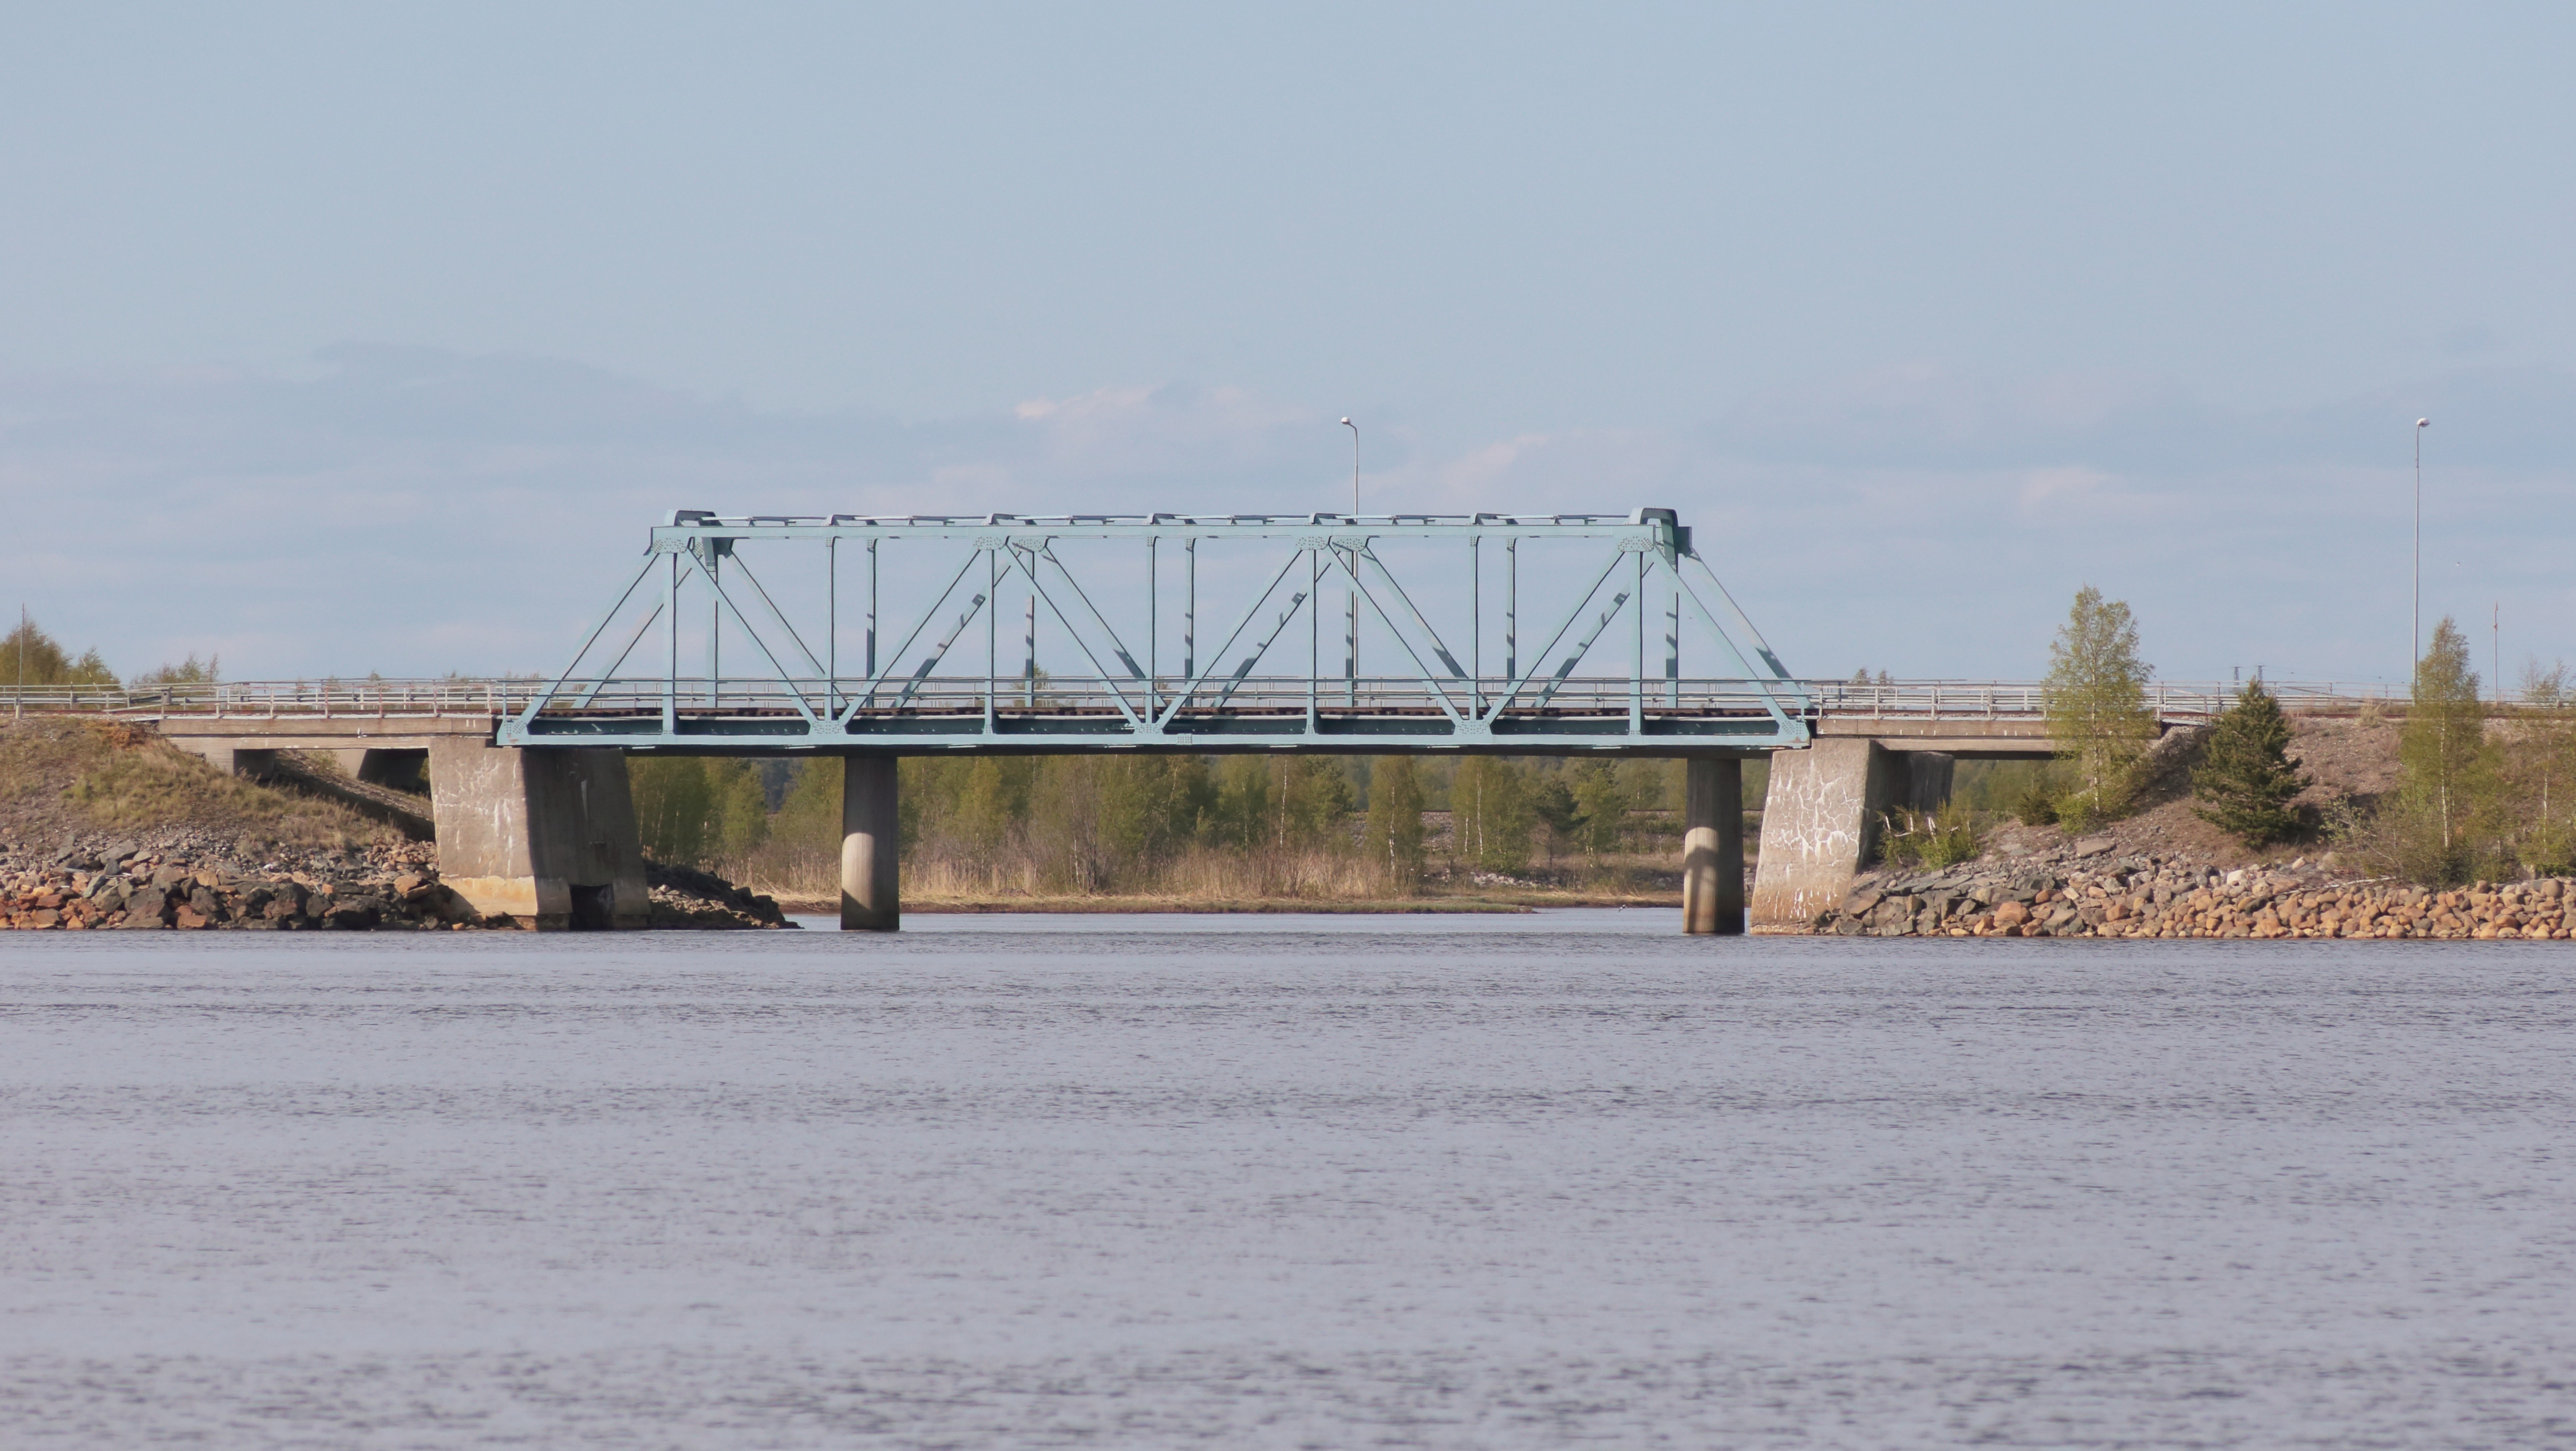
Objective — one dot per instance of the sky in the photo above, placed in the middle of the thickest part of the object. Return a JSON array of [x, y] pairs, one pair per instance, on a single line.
[[338, 339]]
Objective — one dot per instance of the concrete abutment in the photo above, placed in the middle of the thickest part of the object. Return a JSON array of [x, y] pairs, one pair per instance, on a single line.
[[1820, 819], [546, 836]]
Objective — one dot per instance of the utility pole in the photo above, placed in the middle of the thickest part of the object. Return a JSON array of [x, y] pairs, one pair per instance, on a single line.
[[18, 702], [2495, 648]]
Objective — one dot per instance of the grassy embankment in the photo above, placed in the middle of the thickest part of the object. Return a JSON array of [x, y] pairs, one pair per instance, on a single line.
[[62, 778]]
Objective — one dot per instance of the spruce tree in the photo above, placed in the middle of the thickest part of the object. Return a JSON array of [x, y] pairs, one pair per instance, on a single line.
[[2244, 782]]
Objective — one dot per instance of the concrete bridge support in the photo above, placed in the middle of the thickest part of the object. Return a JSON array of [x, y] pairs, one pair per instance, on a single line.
[[871, 846], [1821, 817], [546, 836], [1817, 819], [1713, 847]]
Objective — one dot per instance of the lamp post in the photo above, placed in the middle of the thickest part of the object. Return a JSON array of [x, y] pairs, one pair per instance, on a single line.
[[1351, 625], [2417, 655]]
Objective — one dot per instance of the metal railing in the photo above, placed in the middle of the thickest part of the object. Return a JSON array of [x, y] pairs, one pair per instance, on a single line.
[[2170, 700], [320, 699], [498, 696]]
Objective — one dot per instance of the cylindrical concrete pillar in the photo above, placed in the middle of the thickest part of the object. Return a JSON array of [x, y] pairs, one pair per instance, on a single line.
[[1713, 847], [871, 846]]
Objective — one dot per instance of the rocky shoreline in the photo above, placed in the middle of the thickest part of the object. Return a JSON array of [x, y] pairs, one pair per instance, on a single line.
[[2162, 897], [189, 883]]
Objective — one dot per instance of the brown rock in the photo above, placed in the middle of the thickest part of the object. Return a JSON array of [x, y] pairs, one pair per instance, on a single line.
[[2011, 914]]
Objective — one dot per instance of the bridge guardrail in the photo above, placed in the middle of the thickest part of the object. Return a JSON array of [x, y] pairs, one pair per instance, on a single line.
[[498, 696]]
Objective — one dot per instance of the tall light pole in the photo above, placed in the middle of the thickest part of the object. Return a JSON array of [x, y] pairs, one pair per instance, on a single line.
[[1351, 625], [2417, 656]]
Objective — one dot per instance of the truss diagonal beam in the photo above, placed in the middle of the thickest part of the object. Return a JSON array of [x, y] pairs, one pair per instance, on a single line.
[[812, 662], [887, 665], [1581, 649], [1439, 692], [1439, 647], [1046, 551], [1235, 681], [1539, 656], [939, 652], [795, 692], [1024, 563], [605, 620], [591, 692], [1190, 687]]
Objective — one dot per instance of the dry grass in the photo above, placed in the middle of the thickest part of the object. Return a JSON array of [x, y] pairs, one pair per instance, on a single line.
[[1201, 874], [59, 776], [1206, 878]]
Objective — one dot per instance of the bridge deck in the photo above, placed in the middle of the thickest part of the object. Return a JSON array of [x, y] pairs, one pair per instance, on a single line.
[[1969, 718]]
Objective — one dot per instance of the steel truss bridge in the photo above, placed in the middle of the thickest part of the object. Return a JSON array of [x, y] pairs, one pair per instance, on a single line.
[[861, 659], [895, 635]]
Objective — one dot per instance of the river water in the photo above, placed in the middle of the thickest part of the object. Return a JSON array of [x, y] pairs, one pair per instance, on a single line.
[[1281, 1182]]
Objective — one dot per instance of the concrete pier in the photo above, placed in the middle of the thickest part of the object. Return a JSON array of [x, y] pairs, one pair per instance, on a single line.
[[1713, 847], [546, 836], [871, 846]]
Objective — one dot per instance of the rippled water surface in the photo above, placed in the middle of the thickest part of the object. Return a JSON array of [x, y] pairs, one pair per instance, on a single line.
[[1534, 1181]]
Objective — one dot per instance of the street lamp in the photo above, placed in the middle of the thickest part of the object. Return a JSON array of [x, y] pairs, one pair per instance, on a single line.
[[2417, 657], [1355, 466], [1351, 625]]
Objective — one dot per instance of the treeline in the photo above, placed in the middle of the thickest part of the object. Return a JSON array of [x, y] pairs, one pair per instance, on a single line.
[[2482, 793], [1225, 826], [30, 656], [2485, 791]]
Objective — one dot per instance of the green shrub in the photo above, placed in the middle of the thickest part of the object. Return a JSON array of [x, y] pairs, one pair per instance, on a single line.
[[1930, 839], [2037, 805]]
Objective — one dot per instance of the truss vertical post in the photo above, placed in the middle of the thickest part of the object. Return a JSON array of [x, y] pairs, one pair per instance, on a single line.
[[671, 678], [715, 629], [1314, 634], [992, 632], [1673, 644], [1512, 608], [1637, 680], [832, 625], [1190, 609], [1351, 644], [1475, 625], [872, 609], [1153, 634]]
